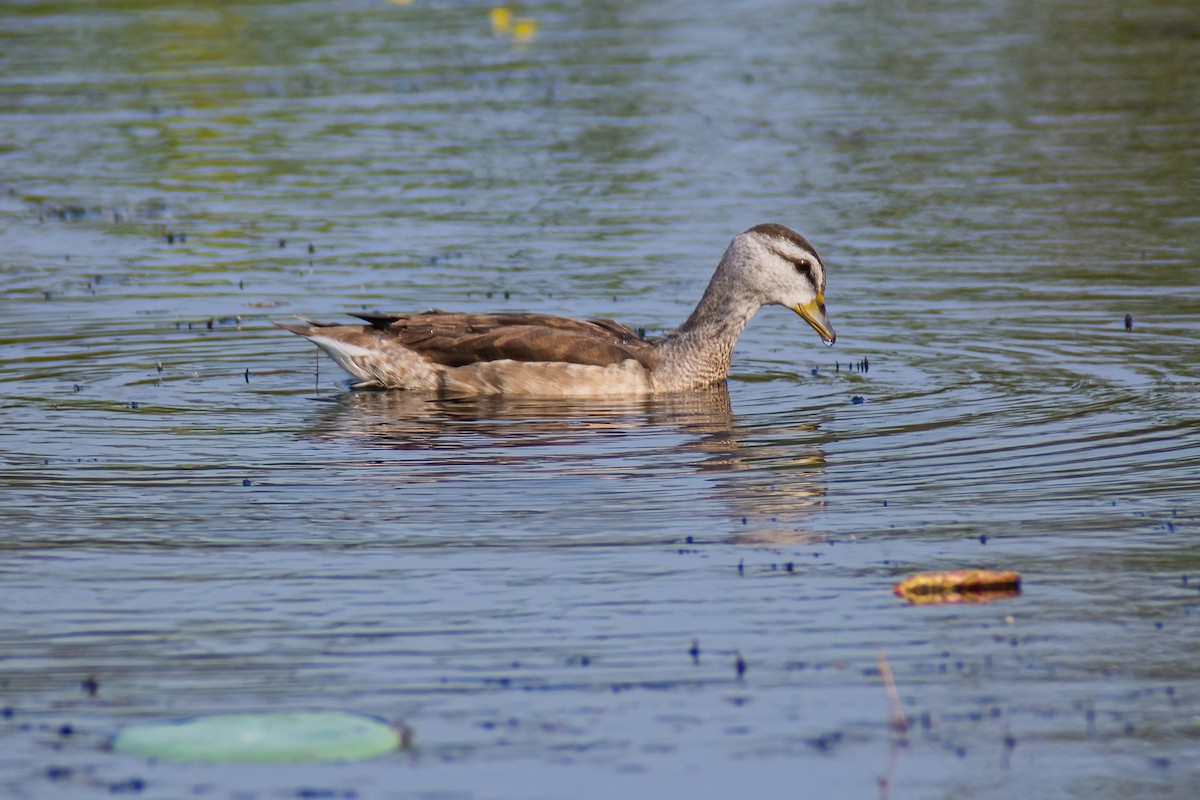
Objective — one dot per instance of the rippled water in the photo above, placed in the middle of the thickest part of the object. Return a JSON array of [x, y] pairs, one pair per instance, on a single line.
[[198, 516]]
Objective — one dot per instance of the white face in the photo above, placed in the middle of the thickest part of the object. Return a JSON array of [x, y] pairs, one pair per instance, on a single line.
[[806, 270], [790, 274]]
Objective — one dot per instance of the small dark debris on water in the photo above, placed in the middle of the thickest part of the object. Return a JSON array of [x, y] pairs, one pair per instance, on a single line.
[[740, 665], [6, 712], [246, 482], [507, 294], [740, 567], [814, 372], [857, 400], [1010, 743], [90, 685], [134, 404], [316, 794], [159, 366], [1129, 322], [131, 786], [56, 773], [311, 249], [694, 651], [209, 324], [641, 332], [826, 741], [78, 388], [246, 375], [983, 538], [282, 243], [406, 743], [65, 730]]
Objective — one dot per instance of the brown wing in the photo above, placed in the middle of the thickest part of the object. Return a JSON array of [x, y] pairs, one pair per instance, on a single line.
[[456, 339]]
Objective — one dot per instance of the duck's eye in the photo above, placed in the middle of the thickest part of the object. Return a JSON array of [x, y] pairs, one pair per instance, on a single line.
[[803, 267]]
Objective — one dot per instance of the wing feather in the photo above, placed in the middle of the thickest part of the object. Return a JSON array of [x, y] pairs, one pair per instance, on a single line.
[[455, 339]]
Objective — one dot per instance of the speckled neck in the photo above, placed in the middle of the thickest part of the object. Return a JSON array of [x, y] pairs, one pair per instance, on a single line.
[[700, 351]]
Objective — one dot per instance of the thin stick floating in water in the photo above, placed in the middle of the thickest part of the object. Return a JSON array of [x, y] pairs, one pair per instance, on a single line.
[[898, 721]]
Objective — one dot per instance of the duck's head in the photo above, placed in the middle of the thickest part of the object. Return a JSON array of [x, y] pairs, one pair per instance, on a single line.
[[782, 268]]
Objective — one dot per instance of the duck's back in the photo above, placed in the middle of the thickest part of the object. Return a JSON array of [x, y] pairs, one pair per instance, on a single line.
[[456, 339]]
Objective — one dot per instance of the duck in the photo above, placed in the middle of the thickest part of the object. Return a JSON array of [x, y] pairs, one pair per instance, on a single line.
[[468, 354]]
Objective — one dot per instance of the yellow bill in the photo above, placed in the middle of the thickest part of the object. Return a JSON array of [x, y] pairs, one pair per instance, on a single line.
[[814, 314]]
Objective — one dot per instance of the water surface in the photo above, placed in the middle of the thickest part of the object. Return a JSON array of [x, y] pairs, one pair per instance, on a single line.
[[199, 517]]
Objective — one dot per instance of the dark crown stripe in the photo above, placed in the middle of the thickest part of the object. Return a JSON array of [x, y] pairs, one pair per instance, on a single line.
[[783, 232]]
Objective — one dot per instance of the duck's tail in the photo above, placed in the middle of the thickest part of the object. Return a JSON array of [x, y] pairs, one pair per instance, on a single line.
[[377, 360]]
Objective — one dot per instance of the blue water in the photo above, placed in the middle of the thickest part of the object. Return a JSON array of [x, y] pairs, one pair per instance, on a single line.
[[198, 516]]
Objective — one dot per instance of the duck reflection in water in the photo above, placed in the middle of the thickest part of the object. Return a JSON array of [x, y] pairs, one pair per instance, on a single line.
[[765, 468]]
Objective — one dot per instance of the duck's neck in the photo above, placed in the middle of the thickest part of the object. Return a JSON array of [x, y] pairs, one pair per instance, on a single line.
[[700, 351]]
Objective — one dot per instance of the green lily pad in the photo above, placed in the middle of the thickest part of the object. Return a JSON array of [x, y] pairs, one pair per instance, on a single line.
[[261, 738]]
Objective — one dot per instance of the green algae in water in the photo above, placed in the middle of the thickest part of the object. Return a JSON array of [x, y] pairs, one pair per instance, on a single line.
[[261, 738]]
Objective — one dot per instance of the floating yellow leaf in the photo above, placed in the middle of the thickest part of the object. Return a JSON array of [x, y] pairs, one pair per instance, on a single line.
[[524, 29], [958, 586], [501, 19]]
